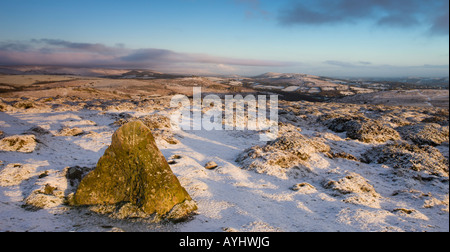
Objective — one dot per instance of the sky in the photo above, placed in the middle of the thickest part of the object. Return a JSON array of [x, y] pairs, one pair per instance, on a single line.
[[336, 38]]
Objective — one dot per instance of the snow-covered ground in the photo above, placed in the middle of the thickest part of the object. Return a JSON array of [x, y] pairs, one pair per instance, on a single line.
[[229, 198]]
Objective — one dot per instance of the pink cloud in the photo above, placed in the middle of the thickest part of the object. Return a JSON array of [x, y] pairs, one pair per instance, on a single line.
[[65, 53]]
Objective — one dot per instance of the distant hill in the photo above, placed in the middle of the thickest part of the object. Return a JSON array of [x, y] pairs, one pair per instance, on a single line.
[[295, 79], [57, 70], [282, 78], [411, 82], [272, 75], [147, 74], [85, 71], [9, 71]]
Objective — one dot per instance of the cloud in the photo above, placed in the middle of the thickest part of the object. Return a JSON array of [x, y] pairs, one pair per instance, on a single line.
[[369, 65], [365, 62], [398, 21], [435, 66], [441, 24], [160, 56], [340, 63], [57, 44], [150, 54], [384, 13], [348, 64], [254, 8], [208, 59], [66, 53], [13, 46], [367, 69]]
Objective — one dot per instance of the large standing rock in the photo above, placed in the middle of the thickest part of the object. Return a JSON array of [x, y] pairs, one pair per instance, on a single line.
[[134, 172]]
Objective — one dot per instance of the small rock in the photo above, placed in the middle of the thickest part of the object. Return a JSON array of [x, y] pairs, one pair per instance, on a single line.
[[298, 187], [229, 230], [70, 132], [76, 173], [176, 157], [48, 189], [211, 165], [171, 162], [404, 210], [44, 174]]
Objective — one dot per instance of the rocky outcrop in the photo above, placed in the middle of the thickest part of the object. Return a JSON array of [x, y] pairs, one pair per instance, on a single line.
[[45, 197], [363, 129], [14, 174], [355, 189], [278, 157], [406, 158], [19, 143], [134, 177], [425, 133]]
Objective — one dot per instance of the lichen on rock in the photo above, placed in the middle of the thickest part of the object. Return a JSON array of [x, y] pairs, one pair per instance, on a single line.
[[133, 172], [159, 125]]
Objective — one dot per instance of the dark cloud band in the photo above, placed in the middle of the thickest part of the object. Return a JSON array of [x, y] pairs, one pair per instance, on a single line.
[[386, 13]]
